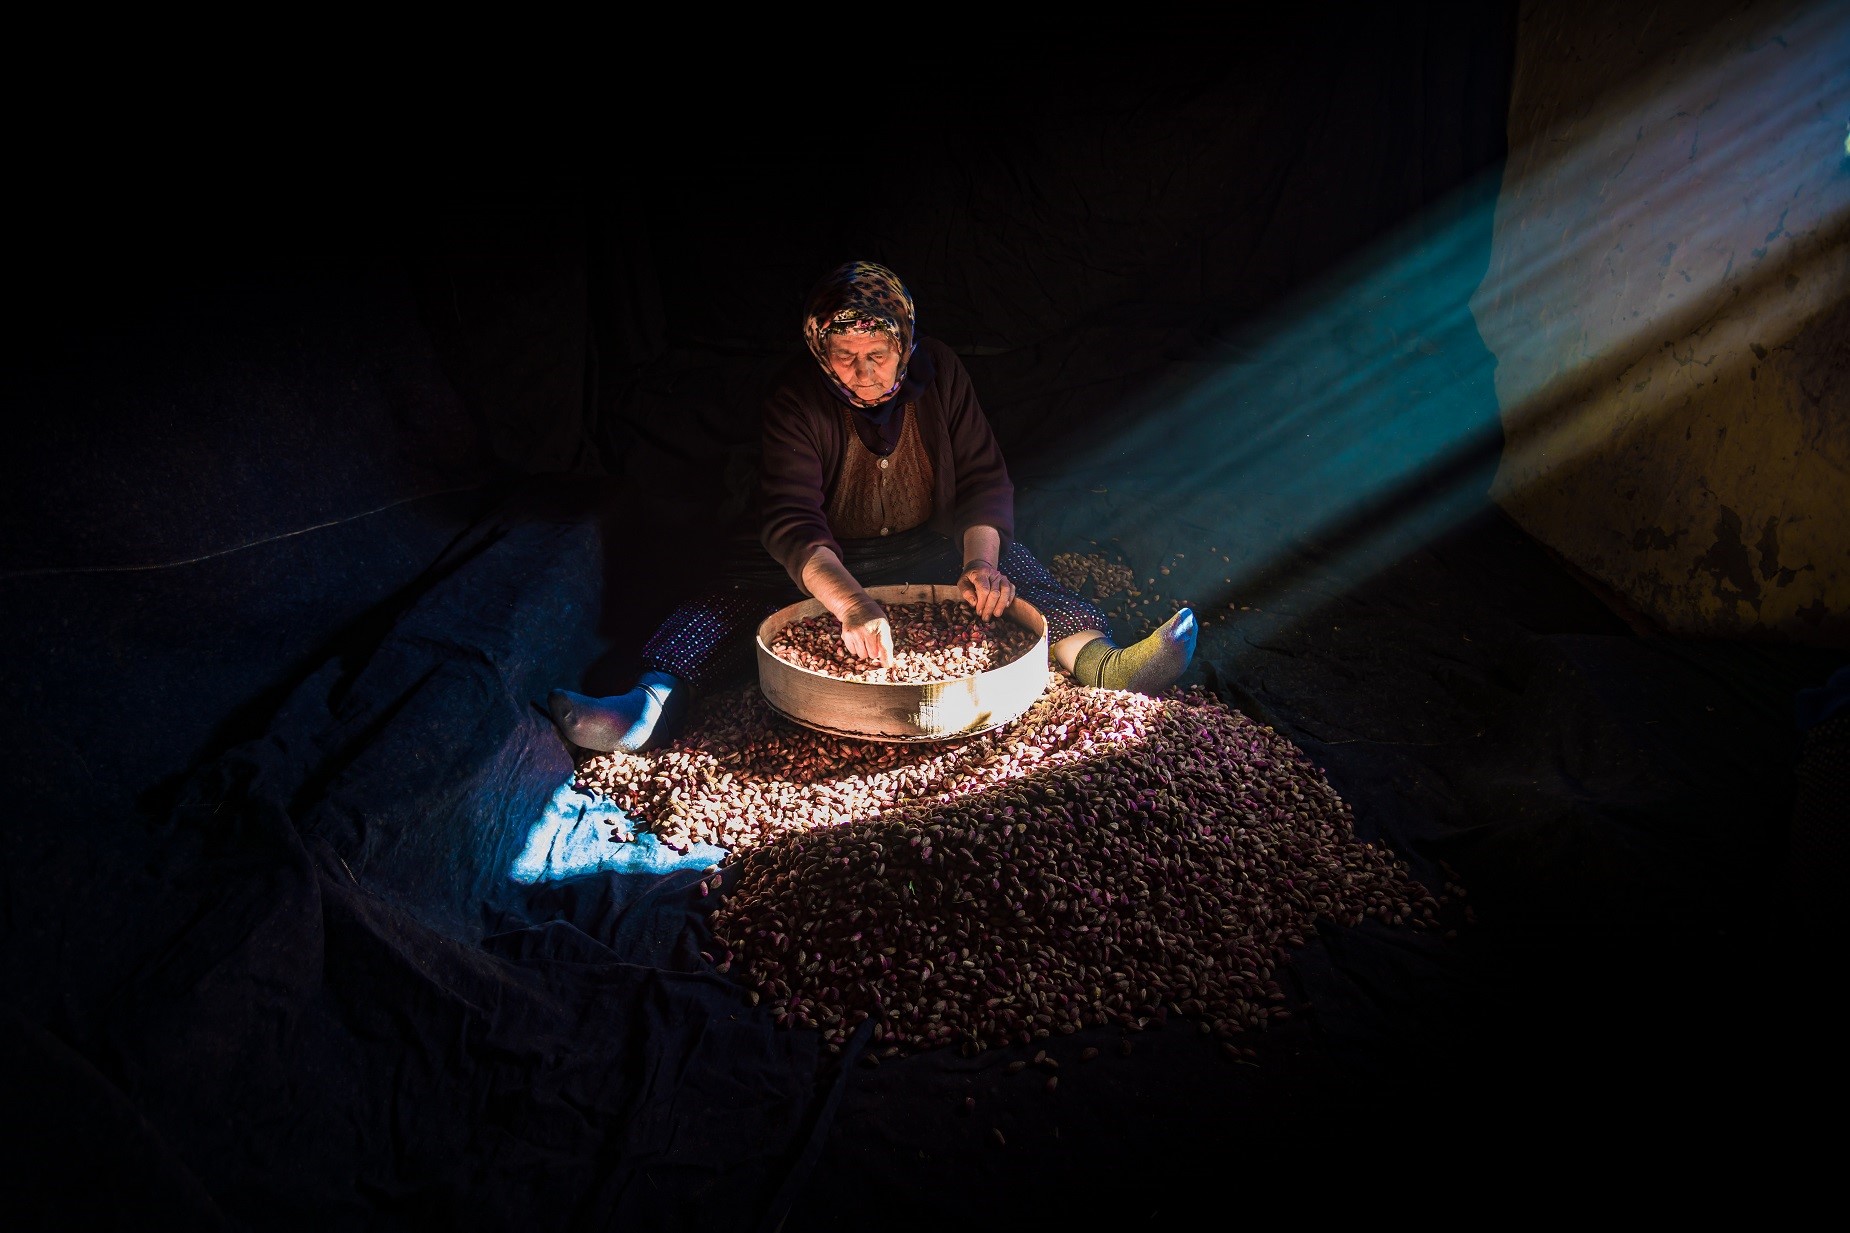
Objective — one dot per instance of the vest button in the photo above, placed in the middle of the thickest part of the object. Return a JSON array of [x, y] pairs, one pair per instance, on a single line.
[[883, 463], [886, 530]]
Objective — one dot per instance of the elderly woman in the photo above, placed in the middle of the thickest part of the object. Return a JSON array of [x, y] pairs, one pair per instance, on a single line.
[[878, 466]]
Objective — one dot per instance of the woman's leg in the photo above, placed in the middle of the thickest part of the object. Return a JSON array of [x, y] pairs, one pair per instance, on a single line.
[[708, 639], [700, 643], [1079, 635], [1069, 614], [1066, 651]]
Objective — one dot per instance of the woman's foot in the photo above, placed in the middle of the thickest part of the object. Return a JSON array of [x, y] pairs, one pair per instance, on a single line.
[[1146, 667], [644, 717]]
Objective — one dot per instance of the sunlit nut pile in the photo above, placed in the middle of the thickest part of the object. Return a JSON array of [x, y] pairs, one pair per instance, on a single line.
[[933, 640], [1073, 570], [740, 774], [1107, 858]]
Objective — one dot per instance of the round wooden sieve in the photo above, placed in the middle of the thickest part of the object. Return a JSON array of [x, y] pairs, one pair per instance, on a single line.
[[877, 711]]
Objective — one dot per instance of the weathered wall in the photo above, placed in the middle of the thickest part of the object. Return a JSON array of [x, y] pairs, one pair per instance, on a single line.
[[1669, 303]]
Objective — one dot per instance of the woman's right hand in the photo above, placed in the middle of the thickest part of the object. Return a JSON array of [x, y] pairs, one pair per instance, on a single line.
[[866, 632]]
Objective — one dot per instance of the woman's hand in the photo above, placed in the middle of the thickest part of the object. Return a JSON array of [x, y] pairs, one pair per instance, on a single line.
[[864, 628], [865, 631], [987, 589]]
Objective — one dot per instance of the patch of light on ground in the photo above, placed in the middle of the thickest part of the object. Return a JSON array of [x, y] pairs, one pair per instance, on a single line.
[[571, 839]]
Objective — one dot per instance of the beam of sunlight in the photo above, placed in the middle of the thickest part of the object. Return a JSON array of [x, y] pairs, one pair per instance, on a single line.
[[1733, 205], [1365, 412]]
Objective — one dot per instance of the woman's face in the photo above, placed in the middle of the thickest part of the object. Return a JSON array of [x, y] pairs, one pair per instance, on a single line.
[[868, 364]]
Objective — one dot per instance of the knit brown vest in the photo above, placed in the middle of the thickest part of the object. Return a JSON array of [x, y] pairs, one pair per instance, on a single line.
[[881, 496]]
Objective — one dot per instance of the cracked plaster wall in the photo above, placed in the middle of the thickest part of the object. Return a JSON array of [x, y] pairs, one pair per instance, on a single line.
[[1668, 300]]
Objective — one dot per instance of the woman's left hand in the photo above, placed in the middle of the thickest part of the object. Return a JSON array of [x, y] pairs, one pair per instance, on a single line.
[[987, 589]]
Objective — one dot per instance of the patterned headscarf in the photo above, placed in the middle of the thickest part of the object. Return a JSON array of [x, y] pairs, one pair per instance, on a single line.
[[859, 298]]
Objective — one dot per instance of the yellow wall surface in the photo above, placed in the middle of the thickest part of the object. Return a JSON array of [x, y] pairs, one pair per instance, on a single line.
[[1668, 301]]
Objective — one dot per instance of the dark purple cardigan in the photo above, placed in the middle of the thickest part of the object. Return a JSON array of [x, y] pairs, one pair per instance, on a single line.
[[803, 437]]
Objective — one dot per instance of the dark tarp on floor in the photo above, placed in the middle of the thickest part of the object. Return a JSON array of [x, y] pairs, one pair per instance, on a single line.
[[318, 484]]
